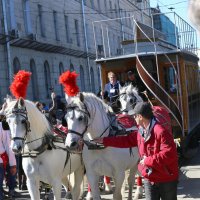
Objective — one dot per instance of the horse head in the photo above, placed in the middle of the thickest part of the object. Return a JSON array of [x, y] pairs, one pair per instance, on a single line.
[[77, 118], [16, 116], [128, 98]]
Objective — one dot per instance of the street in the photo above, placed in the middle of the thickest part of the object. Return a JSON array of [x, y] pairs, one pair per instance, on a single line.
[[188, 187]]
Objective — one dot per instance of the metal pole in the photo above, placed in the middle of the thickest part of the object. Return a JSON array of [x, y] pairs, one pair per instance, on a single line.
[[86, 45], [95, 42], [108, 41], [10, 69], [155, 47], [104, 48]]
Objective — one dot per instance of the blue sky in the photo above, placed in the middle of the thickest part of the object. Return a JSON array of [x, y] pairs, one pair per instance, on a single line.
[[180, 7]]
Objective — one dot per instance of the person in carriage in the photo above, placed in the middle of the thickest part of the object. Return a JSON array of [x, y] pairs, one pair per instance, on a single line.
[[158, 155]]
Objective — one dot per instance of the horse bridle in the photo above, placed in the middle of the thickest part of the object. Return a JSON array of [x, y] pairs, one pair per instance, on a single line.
[[131, 103], [85, 112], [23, 113]]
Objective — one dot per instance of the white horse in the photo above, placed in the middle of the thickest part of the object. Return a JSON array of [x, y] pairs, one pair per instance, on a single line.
[[89, 115], [128, 98], [31, 132]]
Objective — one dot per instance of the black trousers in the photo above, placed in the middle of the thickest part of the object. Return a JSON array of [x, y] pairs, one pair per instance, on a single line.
[[164, 191]]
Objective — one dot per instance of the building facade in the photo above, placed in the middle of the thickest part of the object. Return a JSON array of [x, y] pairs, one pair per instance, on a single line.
[[49, 37]]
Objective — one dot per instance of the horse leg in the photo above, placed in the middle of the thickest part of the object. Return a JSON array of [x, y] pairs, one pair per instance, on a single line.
[[78, 175], [68, 188], [118, 179], [139, 190], [108, 187], [93, 181], [57, 187], [33, 188], [89, 193]]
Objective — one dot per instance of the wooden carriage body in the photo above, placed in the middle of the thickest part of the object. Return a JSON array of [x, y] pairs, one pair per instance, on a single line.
[[170, 73]]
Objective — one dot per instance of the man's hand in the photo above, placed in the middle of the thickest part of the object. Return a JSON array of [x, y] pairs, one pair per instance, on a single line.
[[13, 170], [142, 161], [98, 140]]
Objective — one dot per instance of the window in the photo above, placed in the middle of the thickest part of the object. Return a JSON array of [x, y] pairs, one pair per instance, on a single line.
[[82, 77], [41, 20], [105, 5], [77, 32], [116, 11], [92, 79], [99, 5], [16, 65], [71, 67], [47, 77], [67, 29], [99, 77], [61, 70], [170, 79], [92, 4], [55, 19], [34, 84], [27, 16], [111, 11], [10, 10], [88, 36]]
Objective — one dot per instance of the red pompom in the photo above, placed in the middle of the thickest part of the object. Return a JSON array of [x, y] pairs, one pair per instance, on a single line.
[[19, 86], [68, 80]]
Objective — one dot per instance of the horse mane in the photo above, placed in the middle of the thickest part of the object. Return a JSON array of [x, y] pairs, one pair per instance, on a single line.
[[38, 121], [129, 90], [93, 102]]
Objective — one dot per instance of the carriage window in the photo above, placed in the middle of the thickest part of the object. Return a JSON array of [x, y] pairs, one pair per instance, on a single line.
[[170, 79], [71, 67]]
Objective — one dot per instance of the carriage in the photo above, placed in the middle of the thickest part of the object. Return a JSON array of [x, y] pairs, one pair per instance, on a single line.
[[166, 62]]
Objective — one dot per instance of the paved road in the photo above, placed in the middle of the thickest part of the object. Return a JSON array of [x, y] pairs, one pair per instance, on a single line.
[[188, 188]]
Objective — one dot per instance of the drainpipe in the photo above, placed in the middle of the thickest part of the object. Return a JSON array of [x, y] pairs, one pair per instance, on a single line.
[[7, 46], [86, 44]]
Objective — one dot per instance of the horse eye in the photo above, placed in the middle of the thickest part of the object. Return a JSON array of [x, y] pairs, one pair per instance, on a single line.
[[23, 121], [131, 101], [80, 118]]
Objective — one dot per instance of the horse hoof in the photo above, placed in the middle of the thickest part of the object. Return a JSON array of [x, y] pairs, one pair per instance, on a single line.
[[68, 195], [108, 188], [89, 196]]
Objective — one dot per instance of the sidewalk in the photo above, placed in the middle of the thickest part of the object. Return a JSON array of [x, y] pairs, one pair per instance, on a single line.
[[189, 181]]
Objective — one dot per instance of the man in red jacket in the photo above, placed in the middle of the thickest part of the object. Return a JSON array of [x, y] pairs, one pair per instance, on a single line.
[[158, 156]]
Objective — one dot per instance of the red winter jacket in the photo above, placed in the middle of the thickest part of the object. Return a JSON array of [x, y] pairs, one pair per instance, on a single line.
[[160, 151]]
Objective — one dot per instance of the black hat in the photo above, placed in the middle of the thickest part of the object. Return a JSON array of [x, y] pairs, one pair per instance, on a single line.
[[142, 108], [130, 73]]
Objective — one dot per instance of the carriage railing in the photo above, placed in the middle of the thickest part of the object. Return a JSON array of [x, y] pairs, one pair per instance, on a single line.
[[115, 37]]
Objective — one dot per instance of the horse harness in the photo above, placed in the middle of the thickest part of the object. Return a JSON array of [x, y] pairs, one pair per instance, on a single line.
[[112, 126], [48, 140]]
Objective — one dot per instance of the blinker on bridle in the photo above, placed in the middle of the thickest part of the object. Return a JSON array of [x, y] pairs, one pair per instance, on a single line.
[[74, 107], [23, 113]]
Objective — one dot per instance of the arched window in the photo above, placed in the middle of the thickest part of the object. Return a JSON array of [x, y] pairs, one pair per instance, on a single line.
[[16, 65], [71, 67], [92, 79], [34, 82], [99, 76], [47, 77], [82, 77], [61, 70]]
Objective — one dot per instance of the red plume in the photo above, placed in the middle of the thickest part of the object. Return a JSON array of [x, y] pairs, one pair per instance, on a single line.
[[19, 85], [68, 80]]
